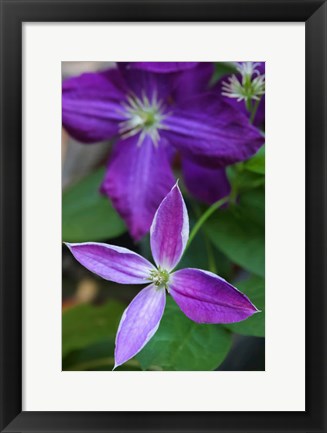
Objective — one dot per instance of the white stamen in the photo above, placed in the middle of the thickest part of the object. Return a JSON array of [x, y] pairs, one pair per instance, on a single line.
[[143, 116], [160, 277], [251, 86]]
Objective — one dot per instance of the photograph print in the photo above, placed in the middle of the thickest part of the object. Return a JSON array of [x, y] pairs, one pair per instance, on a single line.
[[163, 216]]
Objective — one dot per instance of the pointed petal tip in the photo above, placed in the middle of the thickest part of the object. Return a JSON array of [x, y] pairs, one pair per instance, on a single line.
[[251, 307], [118, 363], [68, 245], [175, 186], [115, 366]]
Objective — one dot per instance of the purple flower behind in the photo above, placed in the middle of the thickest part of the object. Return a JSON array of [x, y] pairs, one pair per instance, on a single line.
[[163, 66], [205, 183], [202, 296], [152, 116]]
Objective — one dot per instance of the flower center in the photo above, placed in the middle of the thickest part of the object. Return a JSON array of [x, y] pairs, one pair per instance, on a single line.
[[144, 116], [160, 277]]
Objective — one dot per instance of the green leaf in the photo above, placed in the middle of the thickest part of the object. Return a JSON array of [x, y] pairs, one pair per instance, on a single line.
[[222, 69], [239, 231], [87, 324], [254, 288], [96, 357], [253, 205], [182, 345], [88, 216], [243, 180], [257, 162]]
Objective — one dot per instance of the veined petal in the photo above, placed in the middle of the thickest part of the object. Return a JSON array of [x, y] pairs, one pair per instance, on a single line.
[[162, 66], [169, 230], [139, 323], [259, 118], [212, 132], [145, 83], [91, 105], [138, 177], [206, 298], [112, 263], [204, 183]]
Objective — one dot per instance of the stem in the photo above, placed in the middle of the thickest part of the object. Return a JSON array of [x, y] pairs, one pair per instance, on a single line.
[[204, 218], [248, 105], [211, 258], [254, 110]]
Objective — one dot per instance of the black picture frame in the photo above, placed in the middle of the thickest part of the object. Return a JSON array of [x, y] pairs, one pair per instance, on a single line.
[[13, 14]]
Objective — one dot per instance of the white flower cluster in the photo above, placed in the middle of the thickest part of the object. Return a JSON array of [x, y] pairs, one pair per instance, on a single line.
[[249, 86]]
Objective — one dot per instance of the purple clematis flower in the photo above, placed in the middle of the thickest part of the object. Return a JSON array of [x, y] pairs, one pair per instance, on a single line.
[[202, 296], [152, 116]]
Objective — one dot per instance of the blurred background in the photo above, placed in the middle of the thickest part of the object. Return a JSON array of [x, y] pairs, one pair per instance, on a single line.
[[92, 307]]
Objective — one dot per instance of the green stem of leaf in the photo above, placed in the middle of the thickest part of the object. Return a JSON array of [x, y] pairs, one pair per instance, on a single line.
[[248, 105], [204, 218], [211, 257], [254, 110]]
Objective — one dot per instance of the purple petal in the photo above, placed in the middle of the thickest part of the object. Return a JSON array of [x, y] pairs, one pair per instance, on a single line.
[[206, 298], [146, 83], [112, 263], [192, 81], [91, 105], [139, 323], [206, 184], [259, 118], [162, 66], [137, 179], [211, 132], [169, 230]]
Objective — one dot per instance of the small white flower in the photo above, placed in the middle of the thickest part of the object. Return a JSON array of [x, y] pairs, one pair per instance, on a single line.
[[250, 86]]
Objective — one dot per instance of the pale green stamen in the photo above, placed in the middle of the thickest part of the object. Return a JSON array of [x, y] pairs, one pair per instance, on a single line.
[[160, 277], [144, 116]]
